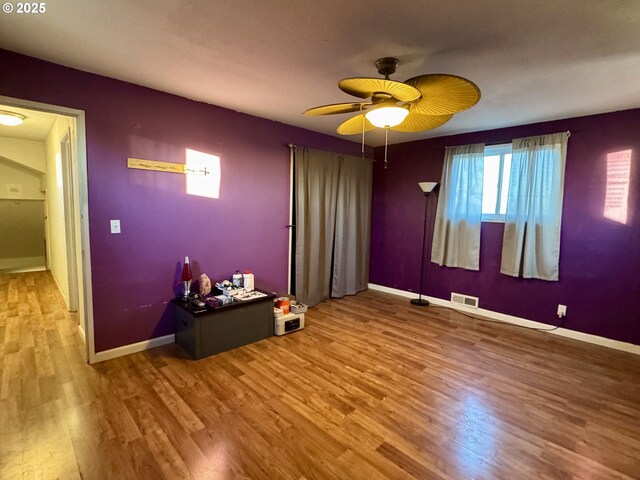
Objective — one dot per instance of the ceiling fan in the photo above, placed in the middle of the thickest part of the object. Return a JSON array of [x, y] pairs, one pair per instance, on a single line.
[[419, 103]]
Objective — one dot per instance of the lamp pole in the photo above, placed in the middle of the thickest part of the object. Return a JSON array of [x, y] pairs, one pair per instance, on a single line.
[[427, 188]]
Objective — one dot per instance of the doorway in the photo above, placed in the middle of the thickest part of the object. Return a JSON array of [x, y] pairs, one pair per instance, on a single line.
[[66, 206]]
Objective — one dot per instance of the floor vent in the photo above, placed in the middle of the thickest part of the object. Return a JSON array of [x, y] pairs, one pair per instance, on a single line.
[[465, 300]]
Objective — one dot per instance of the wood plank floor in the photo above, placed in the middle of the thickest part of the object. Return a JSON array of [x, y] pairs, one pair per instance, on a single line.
[[372, 388]]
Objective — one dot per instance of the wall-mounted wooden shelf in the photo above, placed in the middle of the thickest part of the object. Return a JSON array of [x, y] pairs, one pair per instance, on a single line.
[[141, 164]]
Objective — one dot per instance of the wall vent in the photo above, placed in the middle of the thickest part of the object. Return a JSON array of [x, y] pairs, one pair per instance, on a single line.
[[465, 300]]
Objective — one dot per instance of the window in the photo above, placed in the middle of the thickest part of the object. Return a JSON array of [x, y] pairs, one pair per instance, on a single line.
[[497, 170]]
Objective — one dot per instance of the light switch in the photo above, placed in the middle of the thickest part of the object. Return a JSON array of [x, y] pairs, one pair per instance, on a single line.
[[115, 226]]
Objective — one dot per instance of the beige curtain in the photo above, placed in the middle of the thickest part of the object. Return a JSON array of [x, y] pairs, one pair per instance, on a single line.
[[353, 227], [333, 224], [531, 242], [456, 236]]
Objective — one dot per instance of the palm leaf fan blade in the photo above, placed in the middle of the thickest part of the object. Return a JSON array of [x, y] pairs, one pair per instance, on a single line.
[[337, 108], [416, 122], [364, 87], [443, 94], [355, 125]]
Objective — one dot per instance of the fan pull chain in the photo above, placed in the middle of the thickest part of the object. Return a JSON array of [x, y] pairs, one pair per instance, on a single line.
[[386, 138], [363, 125]]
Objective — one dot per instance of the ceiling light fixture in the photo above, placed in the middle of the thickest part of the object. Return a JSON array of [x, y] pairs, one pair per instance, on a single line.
[[11, 119], [387, 117]]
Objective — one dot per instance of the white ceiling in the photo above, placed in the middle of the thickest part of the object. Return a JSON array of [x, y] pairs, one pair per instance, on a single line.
[[533, 60], [36, 126]]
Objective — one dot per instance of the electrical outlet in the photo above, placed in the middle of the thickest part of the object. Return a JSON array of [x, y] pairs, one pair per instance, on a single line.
[[115, 226], [562, 311]]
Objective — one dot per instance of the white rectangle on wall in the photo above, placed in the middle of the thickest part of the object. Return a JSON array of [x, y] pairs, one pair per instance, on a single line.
[[203, 174]]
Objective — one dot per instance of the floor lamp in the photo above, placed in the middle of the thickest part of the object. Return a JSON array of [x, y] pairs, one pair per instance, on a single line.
[[427, 188]]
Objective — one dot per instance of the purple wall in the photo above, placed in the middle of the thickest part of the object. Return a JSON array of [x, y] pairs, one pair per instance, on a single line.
[[599, 258], [134, 273]]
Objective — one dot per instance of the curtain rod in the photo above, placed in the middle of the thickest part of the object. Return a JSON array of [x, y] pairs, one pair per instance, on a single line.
[[492, 144], [293, 147]]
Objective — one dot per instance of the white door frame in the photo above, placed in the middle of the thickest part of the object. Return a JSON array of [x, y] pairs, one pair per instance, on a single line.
[[69, 194], [80, 215]]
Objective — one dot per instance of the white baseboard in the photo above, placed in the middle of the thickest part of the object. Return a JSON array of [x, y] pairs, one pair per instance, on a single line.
[[481, 312], [22, 264], [133, 348], [62, 293], [82, 334], [23, 270]]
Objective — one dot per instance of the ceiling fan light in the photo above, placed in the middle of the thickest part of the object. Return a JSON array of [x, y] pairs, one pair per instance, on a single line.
[[386, 117], [11, 119]]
